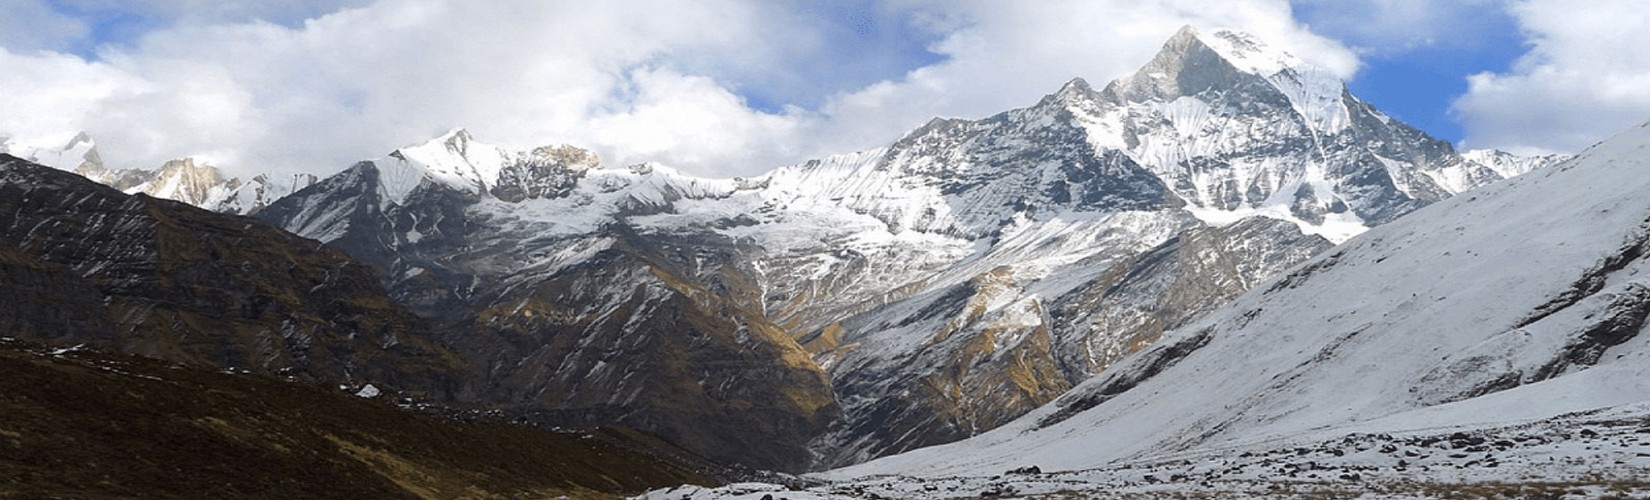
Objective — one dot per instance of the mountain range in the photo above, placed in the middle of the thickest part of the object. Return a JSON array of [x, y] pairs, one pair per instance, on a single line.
[[894, 298], [184, 179], [825, 313]]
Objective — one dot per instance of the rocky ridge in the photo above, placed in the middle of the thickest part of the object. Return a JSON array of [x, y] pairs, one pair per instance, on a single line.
[[85, 263]]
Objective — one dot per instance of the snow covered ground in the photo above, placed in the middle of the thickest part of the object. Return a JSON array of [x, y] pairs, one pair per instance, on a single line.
[[1585, 455]]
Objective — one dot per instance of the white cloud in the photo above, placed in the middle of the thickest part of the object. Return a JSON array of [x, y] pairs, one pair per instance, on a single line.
[[1585, 78], [643, 80], [52, 93], [690, 120], [360, 82]]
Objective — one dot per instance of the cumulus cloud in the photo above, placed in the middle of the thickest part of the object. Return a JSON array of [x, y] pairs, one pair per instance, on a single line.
[[1585, 77], [52, 93], [313, 89]]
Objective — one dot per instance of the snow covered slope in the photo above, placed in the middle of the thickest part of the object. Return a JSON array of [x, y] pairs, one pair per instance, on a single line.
[[1488, 313], [248, 197]]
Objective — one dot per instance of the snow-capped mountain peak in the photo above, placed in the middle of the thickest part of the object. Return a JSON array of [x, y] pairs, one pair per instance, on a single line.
[[1184, 66], [187, 181], [458, 161], [1247, 52], [253, 195], [77, 154], [1192, 63], [1508, 164], [1237, 128], [453, 158], [1075, 94]]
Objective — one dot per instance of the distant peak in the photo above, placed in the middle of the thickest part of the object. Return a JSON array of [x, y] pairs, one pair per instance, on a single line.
[[187, 162], [1074, 91], [1192, 62], [1076, 86], [189, 167], [79, 138], [1243, 51], [1185, 65], [457, 139], [573, 157], [1186, 34], [1187, 38]]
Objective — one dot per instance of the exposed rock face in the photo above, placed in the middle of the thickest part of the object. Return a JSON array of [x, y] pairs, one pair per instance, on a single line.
[[963, 179], [1187, 276], [167, 280], [999, 350], [184, 180], [619, 339], [48, 302]]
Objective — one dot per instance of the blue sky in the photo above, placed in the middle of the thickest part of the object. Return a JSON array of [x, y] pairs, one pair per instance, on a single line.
[[740, 86], [1418, 85], [1418, 75], [869, 43]]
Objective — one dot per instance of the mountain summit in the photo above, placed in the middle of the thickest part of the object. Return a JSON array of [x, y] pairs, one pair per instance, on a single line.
[[1192, 64], [1236, 128], [456, 160]]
